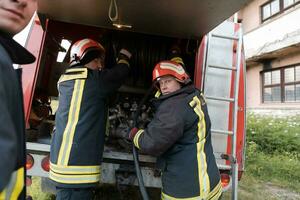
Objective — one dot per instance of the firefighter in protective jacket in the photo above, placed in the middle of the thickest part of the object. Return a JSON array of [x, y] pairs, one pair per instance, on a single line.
[[179, 135], [78, 140], [14, 16]]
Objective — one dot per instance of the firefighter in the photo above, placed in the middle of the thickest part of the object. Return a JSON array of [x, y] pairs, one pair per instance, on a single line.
[[14, 16], [78, 140], [179, 135]]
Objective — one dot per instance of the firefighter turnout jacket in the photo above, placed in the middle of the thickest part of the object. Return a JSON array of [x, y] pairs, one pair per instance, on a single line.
[[78, 140], [12, 128], [180, 136]]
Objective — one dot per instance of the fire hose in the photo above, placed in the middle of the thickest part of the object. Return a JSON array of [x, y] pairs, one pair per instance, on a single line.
[[134, 149]]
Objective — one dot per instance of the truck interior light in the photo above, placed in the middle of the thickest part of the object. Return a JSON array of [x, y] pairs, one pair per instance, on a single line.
[[29, 161], [122, 25], [46, 164]]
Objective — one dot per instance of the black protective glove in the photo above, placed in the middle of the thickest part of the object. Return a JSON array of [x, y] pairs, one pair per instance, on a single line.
[[127, 133]]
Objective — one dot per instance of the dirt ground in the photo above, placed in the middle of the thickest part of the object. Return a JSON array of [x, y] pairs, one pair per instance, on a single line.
[[248, 190], [125, 193]]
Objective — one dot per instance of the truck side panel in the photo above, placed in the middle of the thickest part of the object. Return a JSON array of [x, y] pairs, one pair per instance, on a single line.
[[240, 142], [34, 45], [216, 82]]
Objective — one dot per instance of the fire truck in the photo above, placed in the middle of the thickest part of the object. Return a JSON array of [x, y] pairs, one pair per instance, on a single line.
[[212, 50]]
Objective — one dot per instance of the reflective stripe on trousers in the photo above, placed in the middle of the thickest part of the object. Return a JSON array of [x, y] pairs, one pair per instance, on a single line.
[[215, 194], [75, 174]]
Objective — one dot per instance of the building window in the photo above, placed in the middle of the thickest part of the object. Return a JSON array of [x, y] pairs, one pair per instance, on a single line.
[[271, 91], [282, 85], [273, 7], [270, 9], [292, 84], [287, 3]]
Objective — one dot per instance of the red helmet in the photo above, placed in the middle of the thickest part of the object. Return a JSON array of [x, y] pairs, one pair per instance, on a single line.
[[80, 49], [172, 68]]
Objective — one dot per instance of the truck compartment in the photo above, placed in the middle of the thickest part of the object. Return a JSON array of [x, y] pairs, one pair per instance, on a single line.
[[147, 50]]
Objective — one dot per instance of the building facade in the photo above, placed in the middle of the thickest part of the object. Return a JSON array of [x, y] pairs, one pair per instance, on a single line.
[[272, 50]]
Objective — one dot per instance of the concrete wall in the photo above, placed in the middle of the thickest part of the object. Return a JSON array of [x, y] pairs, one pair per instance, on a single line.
[[250, 15], [279, 36], [271, 36], [290, 59], [253, 86]]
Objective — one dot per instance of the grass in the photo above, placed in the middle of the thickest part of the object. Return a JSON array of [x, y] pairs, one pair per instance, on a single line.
[[282, 170], [273, 150], [35, 190], [272, 163], [274, 136], [250, 189], [272, 159]]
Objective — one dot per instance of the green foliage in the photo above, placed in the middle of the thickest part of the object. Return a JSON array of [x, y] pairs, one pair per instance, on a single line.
[[283, 170], [35, 190], [275, 136], [273, 150]]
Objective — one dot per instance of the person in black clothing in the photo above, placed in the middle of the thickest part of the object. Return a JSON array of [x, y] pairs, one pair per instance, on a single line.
[[78, 140], [179, 135], [14, 16]]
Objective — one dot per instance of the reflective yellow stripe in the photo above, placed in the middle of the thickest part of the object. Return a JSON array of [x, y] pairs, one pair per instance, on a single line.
[[157, 94], [201, 157], [193, 103], [68, 135], [71, 77], [82, 74], [76, 118], [216, 192], [60, 160], [19, 184], [14, 187], [167, 197], [74, 179], [76, 70], [3, 195], [93, 169], [136, 138], [213, 195], [123, 61]]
